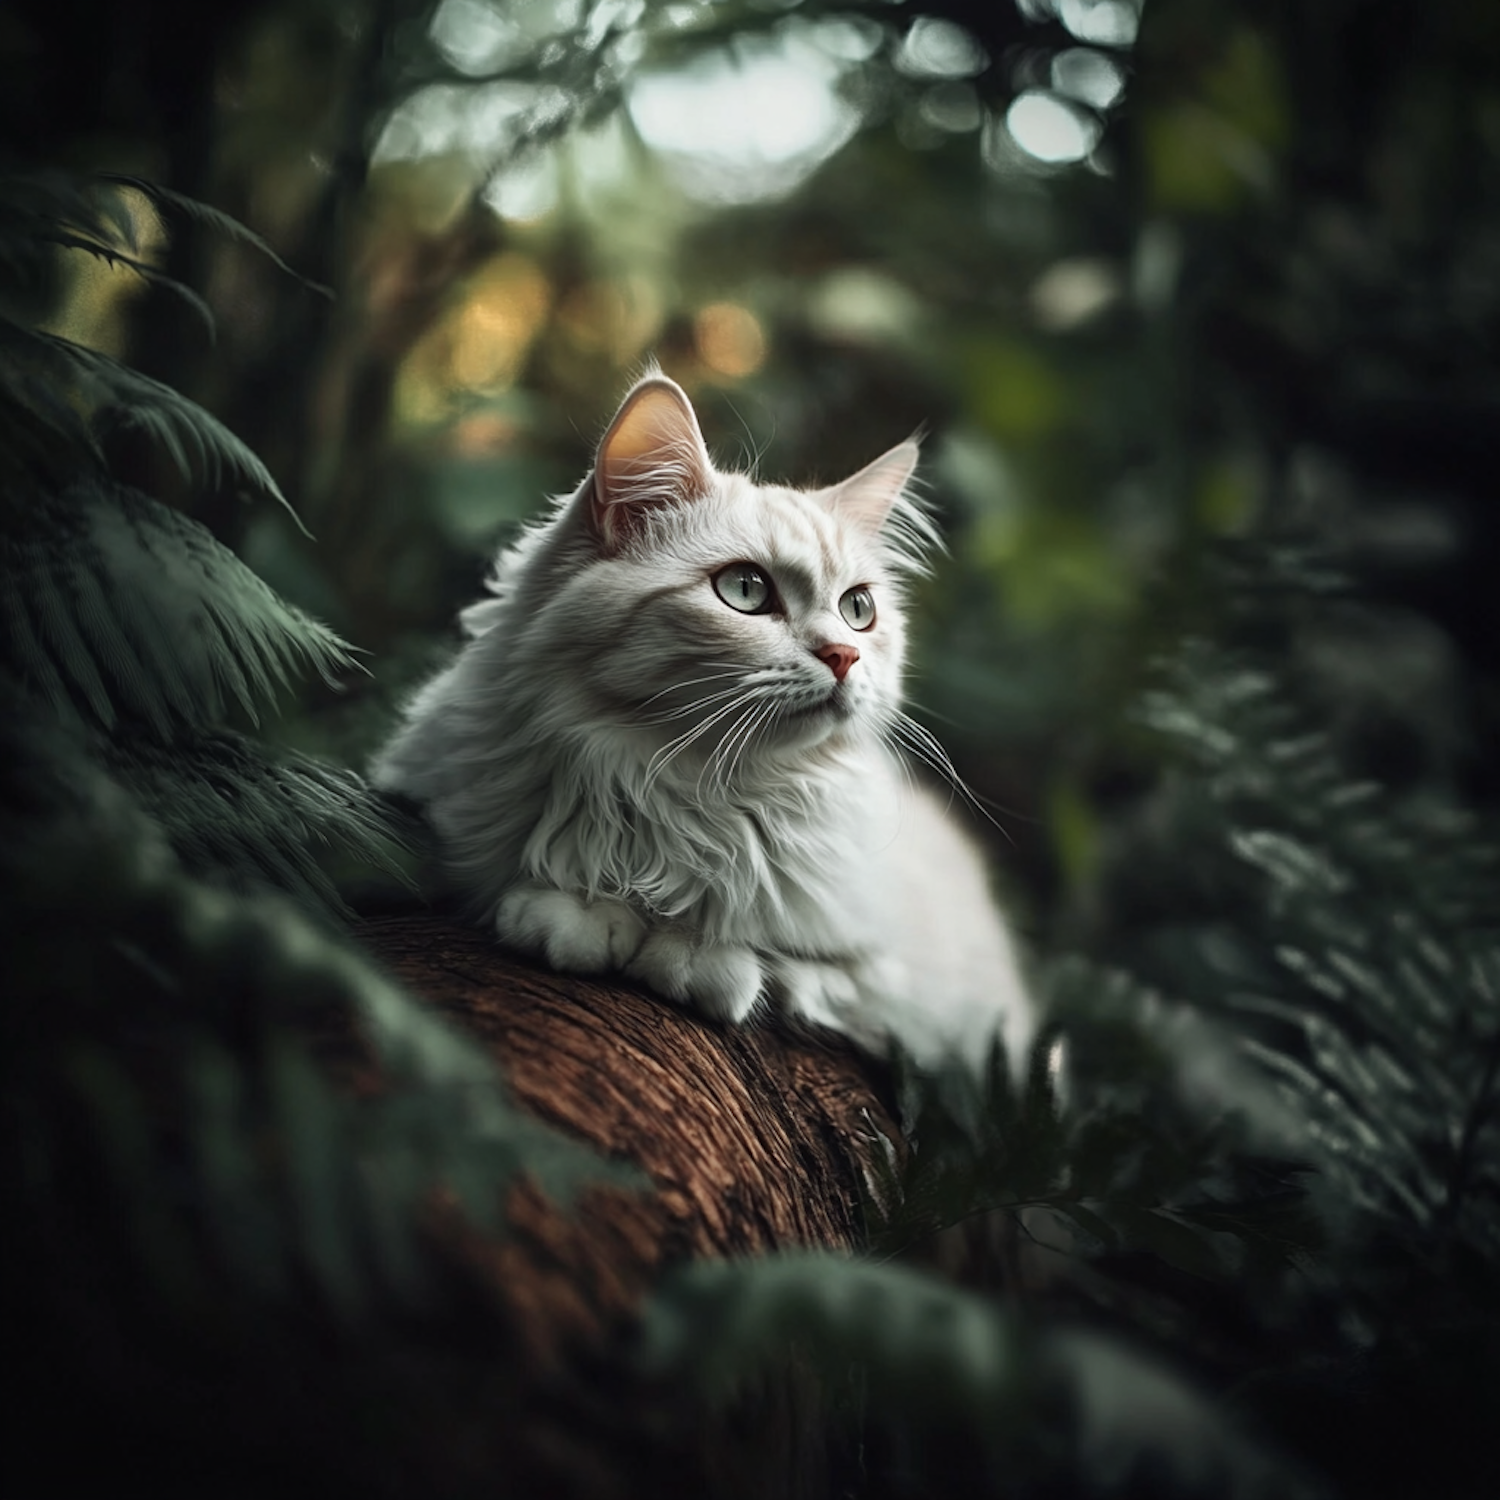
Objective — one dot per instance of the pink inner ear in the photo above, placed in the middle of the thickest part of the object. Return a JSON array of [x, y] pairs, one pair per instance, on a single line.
[[653, 454], [866, 498]]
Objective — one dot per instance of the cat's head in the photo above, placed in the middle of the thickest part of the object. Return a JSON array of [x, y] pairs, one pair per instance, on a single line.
[[717, 621]]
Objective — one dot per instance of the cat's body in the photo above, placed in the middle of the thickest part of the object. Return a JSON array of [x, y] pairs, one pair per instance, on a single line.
[[665, 750]]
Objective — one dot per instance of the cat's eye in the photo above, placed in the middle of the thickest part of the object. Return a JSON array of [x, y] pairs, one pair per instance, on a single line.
[[744, 587], [857, 605]]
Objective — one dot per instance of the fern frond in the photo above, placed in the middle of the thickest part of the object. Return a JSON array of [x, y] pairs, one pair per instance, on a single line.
[[213, 218], [112, 256], [1371, 915], [33, 200], [1159, 1145], [113, 393], [253, 819], [34, 206], [941, 1364], [116, 603], [45, 441]]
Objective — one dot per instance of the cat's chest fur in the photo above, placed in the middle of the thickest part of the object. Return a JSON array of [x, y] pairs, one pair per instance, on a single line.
[[783, 859]]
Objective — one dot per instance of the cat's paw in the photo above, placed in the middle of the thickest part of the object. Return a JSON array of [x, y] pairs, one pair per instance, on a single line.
[[827, 994], [719, 979], [573, 935]]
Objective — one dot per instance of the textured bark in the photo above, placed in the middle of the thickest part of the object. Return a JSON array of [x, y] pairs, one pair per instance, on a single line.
[[753, 1139]]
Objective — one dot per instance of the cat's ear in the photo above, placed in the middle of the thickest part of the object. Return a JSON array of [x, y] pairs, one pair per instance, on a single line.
[[866, 498], [653, 454]]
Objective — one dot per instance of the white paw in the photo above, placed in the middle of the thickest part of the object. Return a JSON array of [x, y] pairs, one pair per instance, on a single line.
[[831, 995], [720, 980], [573, 935], [822, 993]]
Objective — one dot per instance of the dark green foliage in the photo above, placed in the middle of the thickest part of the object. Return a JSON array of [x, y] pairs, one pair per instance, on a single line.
[[1343, 926], [1375, 951], [118, 397], [43, 209], [1144, 1151], [216, 1250], [130, 634], [207, 972], [129, 628], [119, 607], [963, 1390], [232, 811], [126, 624], [1341, 931], [78, 394], [200, 1199], [226, 985]]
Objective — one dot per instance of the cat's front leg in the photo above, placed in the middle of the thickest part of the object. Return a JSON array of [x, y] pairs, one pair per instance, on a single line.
[[722, 980], [572, 934]]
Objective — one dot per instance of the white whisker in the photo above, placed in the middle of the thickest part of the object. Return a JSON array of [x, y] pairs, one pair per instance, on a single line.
[[762, 714], [688, 709], [727, 752], [677, 687], [673, 748], [921, 742], [677, 745], [710, 769], [889, 739]]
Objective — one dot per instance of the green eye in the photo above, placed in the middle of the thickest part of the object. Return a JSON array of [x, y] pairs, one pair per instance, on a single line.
[[744, 587], [858, 607]]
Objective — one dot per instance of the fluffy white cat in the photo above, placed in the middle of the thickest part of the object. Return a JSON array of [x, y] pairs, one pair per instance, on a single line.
[[671, 747]]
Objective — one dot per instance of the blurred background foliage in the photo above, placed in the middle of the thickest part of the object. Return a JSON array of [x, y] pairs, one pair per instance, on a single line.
[[1143, 286], [1197, 303]]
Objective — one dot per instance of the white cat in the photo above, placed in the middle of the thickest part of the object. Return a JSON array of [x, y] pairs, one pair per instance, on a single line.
[[670, 748]]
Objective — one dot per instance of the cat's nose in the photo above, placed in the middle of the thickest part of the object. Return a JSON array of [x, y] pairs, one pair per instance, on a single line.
[[837, 658]]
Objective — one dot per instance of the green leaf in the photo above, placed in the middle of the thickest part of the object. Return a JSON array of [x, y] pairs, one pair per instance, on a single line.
[[215, 219], [944, 1350], [142, 613], [316, 1143], [200, 445], [935, 1360], [237, 1206], [145, 271]]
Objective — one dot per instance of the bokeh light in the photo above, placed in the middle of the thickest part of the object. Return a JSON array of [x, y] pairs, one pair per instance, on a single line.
[[616, 317], [1089, 76], [504, 310], [1070, 292], [1109, 23], [746, 124], [478, 348], [934, 48], [729, 339], [1051, 129]]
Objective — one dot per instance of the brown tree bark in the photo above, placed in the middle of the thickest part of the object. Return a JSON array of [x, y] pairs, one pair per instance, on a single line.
[[753, 1139]]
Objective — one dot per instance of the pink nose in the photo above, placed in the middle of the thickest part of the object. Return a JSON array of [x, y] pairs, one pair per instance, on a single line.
[[837, 658]]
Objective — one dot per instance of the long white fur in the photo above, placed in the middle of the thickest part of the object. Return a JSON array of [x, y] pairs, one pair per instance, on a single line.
[[626, 774]]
